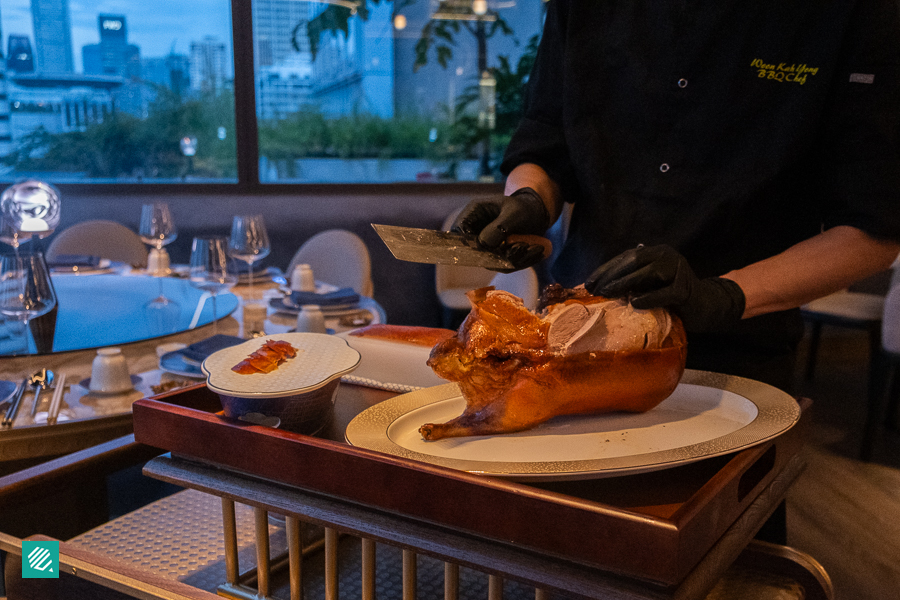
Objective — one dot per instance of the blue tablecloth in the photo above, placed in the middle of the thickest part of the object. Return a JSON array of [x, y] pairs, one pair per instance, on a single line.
[[106, 310]]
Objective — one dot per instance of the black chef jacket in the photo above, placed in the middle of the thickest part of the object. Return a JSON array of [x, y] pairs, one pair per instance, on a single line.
[[728, 130]]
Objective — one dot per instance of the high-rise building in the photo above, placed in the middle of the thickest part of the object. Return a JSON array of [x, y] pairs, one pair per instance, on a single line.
[[355, 72], [208, 64], [62, 104], [281, 90], [274, 24], [52, 36], [172, 71], [352, 72], [19, 55], [113, 55], [283, 72]]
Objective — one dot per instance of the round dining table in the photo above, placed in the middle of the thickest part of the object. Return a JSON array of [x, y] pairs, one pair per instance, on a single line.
[[96, 311], [108, 310]]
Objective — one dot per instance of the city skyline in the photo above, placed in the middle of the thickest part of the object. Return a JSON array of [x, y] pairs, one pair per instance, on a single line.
[[155, 31]]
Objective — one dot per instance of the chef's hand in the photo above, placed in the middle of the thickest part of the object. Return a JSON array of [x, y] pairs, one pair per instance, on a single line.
[[659, 276], [489, 220]]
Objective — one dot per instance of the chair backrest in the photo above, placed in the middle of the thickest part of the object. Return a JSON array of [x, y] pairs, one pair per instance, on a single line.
[[452, 277], [890, 321], [338, 257], [106, 239], [448, 277], [523, 283], [451, 282]]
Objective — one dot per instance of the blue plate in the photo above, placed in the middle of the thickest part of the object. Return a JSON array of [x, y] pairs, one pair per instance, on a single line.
[[7, 389], [175, 363]]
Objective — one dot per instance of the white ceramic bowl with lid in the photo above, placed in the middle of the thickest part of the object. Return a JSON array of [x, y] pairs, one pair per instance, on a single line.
[[297, 396]]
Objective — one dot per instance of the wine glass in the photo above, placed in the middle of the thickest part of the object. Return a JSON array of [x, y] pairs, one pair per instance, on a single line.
[[9, 234], [249, 242], [26, 291], [32, 207], [157, 229], [209, 268]]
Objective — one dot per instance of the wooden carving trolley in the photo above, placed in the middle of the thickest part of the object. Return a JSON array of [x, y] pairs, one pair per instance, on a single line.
[[666, 534]]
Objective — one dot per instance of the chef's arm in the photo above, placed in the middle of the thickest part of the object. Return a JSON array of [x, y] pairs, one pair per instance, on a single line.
[[532, 176], [811, 269]]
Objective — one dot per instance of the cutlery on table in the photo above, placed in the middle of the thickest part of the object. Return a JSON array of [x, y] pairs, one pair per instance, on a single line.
[[55, 402], [13, 409], [277, 276], [41, 380]]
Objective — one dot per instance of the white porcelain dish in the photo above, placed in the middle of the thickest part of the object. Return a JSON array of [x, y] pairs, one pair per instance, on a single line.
[[320, 359], [105, 266], [285, 306], [708, 415], [297, 396], [390, 365], [135, 381]]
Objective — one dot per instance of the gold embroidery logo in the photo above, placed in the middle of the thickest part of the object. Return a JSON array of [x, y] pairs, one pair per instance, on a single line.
[[783, 72]]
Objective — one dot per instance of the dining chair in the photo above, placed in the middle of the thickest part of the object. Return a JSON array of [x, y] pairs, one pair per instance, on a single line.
[[451, 282], [884, 395], [106, 239], [338, 257], [522, 283], [865, 306], [845, 308]]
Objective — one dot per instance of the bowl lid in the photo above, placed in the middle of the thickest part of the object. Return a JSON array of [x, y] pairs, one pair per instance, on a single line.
[[320, 359]]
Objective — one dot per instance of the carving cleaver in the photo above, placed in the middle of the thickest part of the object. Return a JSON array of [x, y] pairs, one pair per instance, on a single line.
[[448, 248]]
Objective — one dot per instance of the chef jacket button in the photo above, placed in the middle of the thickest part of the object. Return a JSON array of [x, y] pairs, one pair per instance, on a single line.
[[664, 167], [682, 83]]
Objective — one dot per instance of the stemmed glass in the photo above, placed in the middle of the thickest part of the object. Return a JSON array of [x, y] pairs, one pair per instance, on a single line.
[[157, 229], [32, 207], [9, 234], [209, 269], [249, 242], [26, 291]]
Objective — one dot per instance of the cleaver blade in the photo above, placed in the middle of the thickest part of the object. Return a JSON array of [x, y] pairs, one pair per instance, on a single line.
[[438, 248]]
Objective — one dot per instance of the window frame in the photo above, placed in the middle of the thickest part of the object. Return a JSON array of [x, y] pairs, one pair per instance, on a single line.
[[247, 158]]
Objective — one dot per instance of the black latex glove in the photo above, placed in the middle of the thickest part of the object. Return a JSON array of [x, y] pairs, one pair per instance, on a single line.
[[489, 220], [659, 276]]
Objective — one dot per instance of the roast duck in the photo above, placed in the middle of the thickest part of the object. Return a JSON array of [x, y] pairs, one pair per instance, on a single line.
[[579, 354], [267, 358]]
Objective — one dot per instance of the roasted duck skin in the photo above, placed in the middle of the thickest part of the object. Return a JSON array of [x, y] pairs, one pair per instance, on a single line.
[[583, 355], [408, 334], [267, 358]]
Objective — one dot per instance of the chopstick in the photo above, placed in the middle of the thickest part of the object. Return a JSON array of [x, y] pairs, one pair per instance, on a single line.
[[14, 406], [56, 401]]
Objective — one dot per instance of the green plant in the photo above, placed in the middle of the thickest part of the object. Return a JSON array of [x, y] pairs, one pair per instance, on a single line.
[[308, 133], [468, 133], [437, 35], [123, 145]]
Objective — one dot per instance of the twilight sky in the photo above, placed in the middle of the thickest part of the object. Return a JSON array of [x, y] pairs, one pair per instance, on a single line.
[[153, 25]]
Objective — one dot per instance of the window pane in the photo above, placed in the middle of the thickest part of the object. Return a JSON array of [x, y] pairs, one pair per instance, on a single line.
[[117, 90], [420, 90]]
